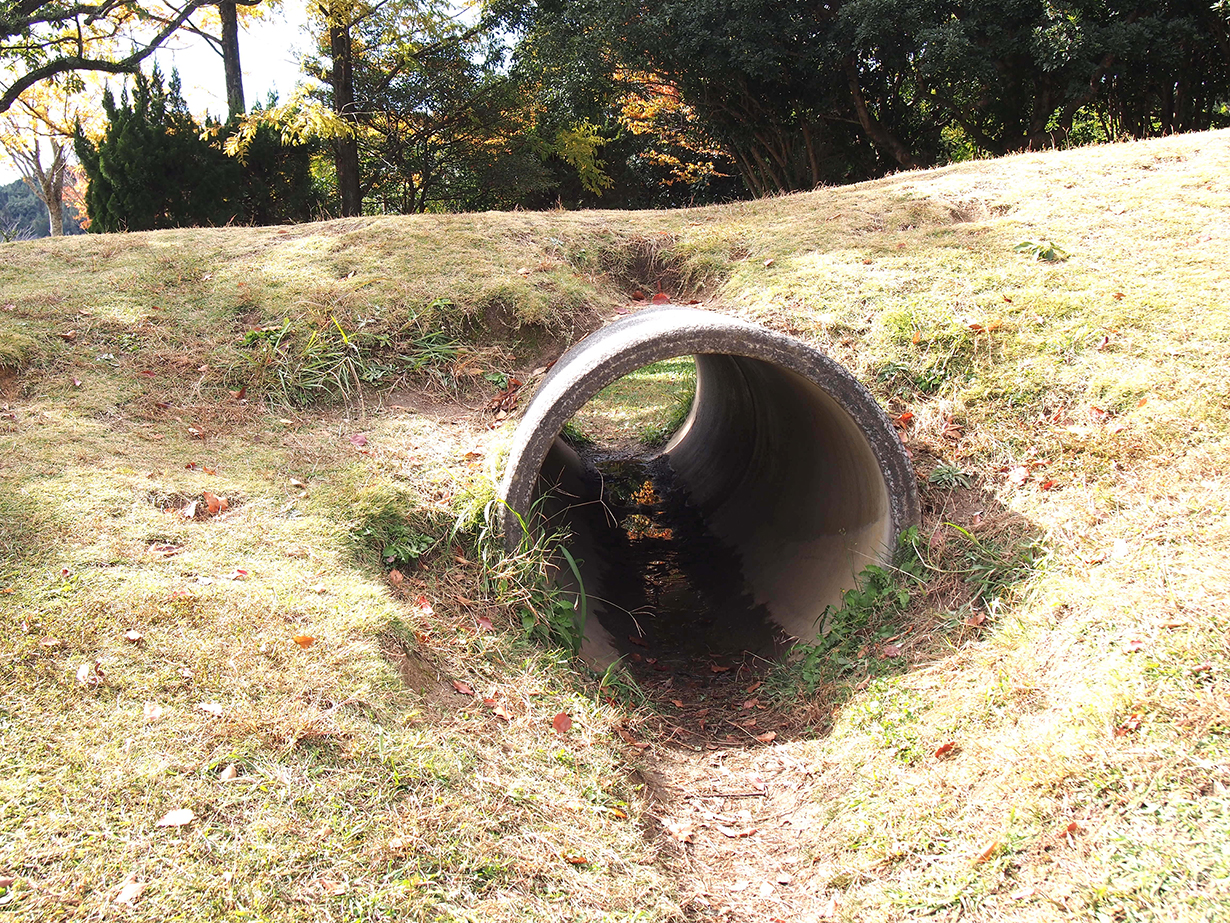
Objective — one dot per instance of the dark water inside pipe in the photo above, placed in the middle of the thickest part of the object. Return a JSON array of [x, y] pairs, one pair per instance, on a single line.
[[676, 593]]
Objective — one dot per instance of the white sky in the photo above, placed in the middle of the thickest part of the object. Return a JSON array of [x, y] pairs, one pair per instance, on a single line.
[[268, 53]]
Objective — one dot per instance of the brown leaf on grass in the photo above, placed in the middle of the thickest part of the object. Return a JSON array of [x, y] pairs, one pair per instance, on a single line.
[[164, 549], [679, 830], [180, 817], [7, 882], [767, 737], [129, 892], [214, 503], [68, 335], [237, 574], [239, 395], [717, 668], [359, 440], [1134, 645], [1048, 484], [89, 674], [987, 852], [769, 262], [396, 577], [195, 433], [304, 641], [484, 623], [977, 619], [1018, 475], [892, 650], [562, 723], [948, 749], [575, 860], [500, 711], [639, 642], [229, 774], [463, 688], [1129, 724]]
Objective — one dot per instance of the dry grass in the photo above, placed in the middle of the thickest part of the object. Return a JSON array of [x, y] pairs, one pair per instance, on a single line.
[[359, 797]]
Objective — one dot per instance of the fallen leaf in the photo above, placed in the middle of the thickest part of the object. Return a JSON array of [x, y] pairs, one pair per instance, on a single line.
[[1018, 475], [424, 605], [1133, 646], [229, 774], [639, 642], [679, 830], [195, 433], [396, 577], [987, 853], [716, 668], [211, 708], [359, 440], [769, 262], [576, 860], [1129, 724], [944, 750], [238, 574], [68, 335], [304, 641], [484, 623], [463, 688], [766, 889], [661, 298], [562, 723], [129, 892], [7, 882], [238, 395], [892, 650], [904, 419], [189, 511], [50, 643], [1103, 343], [88, 674], [215, 503], [1048, 484], [152, 712], [1071, 829], [767, 737], [500, 711], [977, 619], [180, 817], [678, 703]]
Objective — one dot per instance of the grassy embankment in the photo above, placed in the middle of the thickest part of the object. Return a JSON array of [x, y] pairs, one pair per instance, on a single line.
[[148, 662]]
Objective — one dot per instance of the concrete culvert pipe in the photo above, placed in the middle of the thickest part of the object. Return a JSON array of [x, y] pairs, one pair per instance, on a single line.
[[786, 476]]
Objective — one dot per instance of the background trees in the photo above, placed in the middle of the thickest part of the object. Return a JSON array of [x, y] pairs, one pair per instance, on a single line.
[[425, 105]]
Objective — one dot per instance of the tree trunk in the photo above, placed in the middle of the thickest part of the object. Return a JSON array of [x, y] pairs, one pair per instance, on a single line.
[[47, 183], [230, 58], [346, 149], [880, 136]]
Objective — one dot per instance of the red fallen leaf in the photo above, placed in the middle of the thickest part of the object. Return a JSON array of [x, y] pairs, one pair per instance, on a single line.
[[678, 703], [976, 619], [215, 503], [867, 262], [1018, 475], [661, 298], [146, 373], [463, 688], [718, 669], [753, 687], [1099, 415], [1134, 645], [576, 860], [987, 853], [904, 419], [1070, 830], [1046, 485], [1103, 343], [484, 623], [944, 750], [562, 723], [915, 337], [1118, 296], [424, 605], [639, 642], [238, 574], [304, 641], [1129, 724], [238, 395], [359, 440], [1008, 298], [211, 471]]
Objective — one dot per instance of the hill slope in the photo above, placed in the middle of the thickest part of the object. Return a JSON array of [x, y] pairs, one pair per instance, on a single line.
[[1043, 730]]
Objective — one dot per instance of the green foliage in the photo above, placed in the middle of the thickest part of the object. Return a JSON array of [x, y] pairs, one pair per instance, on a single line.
[[991, 568], [949, 477], [154, 169], [1042, 250], [878, 594]]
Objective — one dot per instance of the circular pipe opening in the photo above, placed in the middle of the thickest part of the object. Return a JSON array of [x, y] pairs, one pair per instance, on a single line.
[[785, 480]]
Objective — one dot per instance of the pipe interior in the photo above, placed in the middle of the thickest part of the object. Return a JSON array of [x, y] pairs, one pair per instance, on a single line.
[[776, 492]]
